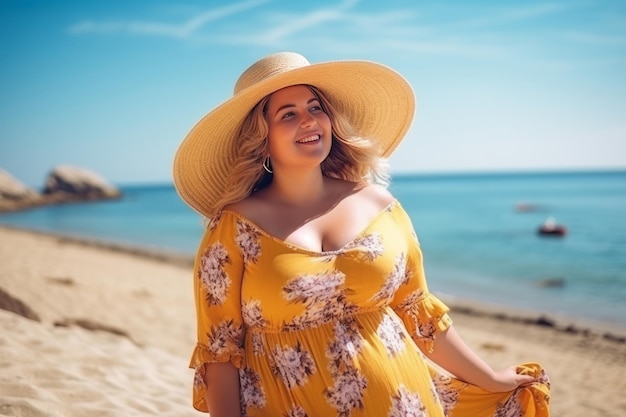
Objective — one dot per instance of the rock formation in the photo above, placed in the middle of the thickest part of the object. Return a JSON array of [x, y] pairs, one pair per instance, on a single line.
[[14, 195], [68, 183], [64, 184]]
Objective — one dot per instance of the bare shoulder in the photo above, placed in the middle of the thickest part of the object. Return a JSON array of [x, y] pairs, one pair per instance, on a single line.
[[375, 195], [250, 207], [368, 199]]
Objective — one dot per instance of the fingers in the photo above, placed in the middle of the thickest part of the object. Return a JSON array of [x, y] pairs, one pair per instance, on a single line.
[[526, 380]]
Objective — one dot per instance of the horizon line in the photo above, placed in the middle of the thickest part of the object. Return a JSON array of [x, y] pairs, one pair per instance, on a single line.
[[452, 173]]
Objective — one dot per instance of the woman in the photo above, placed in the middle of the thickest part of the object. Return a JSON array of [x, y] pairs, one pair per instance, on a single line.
[[310, 291]]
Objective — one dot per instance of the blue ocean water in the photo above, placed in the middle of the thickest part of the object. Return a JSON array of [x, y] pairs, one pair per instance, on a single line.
[[476, 244]]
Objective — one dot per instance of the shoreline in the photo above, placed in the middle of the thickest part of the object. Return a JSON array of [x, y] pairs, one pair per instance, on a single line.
[[612, 331], [161, 255], [560, 323]]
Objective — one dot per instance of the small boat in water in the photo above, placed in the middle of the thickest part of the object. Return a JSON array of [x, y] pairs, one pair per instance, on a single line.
[[551, 228]]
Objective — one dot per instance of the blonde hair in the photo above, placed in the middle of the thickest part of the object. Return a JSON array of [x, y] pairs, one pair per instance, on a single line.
[[351, 158]]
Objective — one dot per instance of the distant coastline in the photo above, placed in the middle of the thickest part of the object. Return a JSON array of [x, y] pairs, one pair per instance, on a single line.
[[64, 184]]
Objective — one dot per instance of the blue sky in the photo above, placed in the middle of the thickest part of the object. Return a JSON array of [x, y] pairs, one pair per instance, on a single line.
[[501, 85]]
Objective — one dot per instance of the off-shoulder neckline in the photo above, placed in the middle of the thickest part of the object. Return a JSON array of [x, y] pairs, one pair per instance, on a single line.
[[388, 208]]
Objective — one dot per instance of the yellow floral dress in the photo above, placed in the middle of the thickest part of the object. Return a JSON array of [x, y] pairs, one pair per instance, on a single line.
[[334, 333]]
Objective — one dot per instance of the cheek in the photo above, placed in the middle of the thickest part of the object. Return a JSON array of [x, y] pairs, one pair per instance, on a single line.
[[277, 136], [273, 132], [324, 122]]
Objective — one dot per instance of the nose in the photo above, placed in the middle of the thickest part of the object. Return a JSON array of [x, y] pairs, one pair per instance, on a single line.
[[307, 120]]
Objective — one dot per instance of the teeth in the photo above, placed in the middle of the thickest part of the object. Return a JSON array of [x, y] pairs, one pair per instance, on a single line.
[[309, 139]]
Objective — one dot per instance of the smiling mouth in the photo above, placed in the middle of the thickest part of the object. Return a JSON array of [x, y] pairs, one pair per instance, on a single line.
[[309, 139]]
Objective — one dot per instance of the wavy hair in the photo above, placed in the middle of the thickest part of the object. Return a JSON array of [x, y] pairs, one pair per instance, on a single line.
[[351, 158]]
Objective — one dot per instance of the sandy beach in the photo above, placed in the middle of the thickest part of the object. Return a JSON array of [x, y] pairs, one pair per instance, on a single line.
[[111, 331]]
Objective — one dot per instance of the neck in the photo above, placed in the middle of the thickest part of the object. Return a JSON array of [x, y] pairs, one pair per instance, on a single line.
[[299, 189]]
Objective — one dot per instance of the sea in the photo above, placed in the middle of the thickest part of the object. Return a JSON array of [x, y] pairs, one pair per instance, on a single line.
[[478, 234]]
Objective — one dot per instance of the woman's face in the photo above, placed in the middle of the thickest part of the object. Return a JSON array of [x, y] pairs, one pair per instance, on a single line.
[[299, 130]]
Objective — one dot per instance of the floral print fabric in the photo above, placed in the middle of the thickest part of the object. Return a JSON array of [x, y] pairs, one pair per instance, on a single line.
[[332, 333]]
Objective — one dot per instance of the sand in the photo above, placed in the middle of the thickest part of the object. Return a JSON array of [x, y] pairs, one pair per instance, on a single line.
[[116, 328]]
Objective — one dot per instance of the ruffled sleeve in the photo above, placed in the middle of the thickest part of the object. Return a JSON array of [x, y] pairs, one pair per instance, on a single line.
[[423, 314], [218, 271]]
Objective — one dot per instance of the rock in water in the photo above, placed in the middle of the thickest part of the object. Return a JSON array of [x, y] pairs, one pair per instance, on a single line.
[[65, 184], [69, 183], [14, 195]]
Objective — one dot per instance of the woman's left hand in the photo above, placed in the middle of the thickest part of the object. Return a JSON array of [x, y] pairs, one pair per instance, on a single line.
[[508, 379]]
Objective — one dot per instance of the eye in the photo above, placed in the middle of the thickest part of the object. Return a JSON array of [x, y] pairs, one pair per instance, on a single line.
[[316, 107], [287, 115]]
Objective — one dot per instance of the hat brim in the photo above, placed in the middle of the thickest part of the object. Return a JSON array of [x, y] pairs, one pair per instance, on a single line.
[[377, 101]]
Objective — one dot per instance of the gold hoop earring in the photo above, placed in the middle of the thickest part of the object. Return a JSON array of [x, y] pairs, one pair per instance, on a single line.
[[266, 165]]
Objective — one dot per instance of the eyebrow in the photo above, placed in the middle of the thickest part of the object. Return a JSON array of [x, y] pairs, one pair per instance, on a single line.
[[312, 99]]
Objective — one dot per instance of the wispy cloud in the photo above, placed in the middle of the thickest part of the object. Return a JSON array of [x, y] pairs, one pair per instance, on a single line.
[[176, 30], [480, 35], [450, 47], [595, 38], [287, 26], [291, 27], [423, 30], [410, 31], [506, 16]]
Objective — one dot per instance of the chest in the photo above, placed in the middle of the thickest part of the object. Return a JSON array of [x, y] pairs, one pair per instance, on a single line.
[[326, 232], [295, 283]]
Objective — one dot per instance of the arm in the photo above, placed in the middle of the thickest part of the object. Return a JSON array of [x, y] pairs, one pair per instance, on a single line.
[[222, 390], [218, 353], [427, 321], [451, 353]]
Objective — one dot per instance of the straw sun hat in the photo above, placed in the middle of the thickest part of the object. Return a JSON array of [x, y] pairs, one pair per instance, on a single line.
[[378, 102]]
